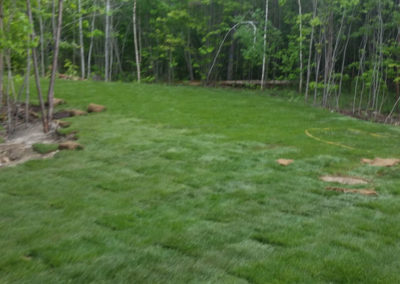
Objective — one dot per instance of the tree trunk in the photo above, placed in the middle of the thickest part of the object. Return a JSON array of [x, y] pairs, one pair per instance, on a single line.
[[310, 51], [89, 62], [1, 56], [42, 68], [53, 17], [135, 40], [301, 48], [27, 90], [265, 45], [50, 94], [81, 43], [36, 69], [107, 43]]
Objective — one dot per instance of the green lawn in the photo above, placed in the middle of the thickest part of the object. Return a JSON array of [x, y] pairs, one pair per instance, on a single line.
[[180, 185]]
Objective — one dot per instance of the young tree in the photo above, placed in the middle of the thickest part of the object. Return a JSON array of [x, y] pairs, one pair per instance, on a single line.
[[301, 46], [107, 44], [50, 94], [265, 45], [36, 69], [135, 39], [81, 42]]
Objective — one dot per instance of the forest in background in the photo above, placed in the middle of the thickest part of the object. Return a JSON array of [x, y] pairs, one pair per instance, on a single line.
[[326, 47]]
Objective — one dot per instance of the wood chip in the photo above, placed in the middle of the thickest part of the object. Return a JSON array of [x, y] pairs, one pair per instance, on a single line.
[[379, 162], [368, 192], [344, 180], [284, 162]]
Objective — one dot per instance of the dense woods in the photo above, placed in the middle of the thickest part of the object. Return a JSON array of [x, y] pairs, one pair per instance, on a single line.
[[326, 48]]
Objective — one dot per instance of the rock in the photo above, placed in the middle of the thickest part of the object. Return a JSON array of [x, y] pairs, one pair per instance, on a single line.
[[63, 124], [368, 192], [57, 102], [77, 112], [96, 108], [284, 162], [378, 162], [70, 145], [4, 160], [344, 180]]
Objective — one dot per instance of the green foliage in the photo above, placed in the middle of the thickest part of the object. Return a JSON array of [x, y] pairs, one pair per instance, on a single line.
[[70, 69]]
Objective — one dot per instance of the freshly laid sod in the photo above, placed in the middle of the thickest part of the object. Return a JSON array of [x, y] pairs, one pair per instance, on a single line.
[[181, 185]]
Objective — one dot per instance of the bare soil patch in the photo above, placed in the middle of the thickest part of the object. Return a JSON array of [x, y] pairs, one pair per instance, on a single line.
[[379, 162], [344, 180], [368, 192], [18, 147], [284, 162]]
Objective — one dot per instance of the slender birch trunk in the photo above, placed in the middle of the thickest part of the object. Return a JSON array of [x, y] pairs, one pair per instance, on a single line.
[[41, 40], [50, 94], [301, 47], [53, 18], [81, 43], [89, 60], [107, 43], [265, 45], [310, 51], [27, 85], [135, 40]]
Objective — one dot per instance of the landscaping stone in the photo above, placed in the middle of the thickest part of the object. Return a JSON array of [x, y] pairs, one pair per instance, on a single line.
[[63, 124], [96, 108], [70, 145]]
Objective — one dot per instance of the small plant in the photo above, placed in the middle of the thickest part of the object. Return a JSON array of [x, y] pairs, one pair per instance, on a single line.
[[70, 68], [44, 148]]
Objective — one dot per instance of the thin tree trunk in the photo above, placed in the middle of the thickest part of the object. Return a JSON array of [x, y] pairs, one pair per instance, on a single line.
[[265, 45], [310, 51], [1, 55], [53, 18], [135, 40], [36, 69], [41, 39], [10, 128], [89, 62], [81, 43], [27, 85], [301, 48], [107, 43], [50, 94]]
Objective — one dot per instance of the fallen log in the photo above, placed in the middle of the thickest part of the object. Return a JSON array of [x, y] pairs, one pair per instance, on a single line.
[[243, 83]]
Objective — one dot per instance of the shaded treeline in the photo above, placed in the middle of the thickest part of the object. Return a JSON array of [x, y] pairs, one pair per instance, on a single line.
[[326, 46]]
